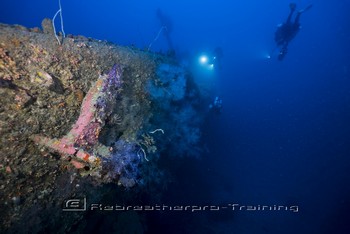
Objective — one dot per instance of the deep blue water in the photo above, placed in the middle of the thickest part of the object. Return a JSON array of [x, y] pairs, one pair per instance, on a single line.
[[284, 134]]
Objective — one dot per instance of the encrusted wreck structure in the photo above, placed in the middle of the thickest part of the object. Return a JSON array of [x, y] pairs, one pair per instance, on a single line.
[[82, 114]]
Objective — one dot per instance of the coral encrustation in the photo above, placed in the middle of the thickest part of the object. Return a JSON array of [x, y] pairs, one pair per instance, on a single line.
[[81, 143]]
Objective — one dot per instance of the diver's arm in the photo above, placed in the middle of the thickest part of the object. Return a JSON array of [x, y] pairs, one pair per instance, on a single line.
[[292, 9]]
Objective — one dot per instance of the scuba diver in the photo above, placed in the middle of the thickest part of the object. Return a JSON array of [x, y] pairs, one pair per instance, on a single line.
[[217, 105], [216, 57], [287, 31], [168, 26], [212, 59]]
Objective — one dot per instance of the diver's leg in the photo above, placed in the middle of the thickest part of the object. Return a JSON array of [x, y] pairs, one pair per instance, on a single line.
[[296, 21], [297, 18], [292, 7], [301, 11], [305, 9]]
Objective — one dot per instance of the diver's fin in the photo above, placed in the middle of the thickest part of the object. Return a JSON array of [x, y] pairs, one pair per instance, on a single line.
[[305, 9], [292, 6]]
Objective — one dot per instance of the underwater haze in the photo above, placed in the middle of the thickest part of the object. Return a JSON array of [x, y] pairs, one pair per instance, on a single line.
[[283, 135]]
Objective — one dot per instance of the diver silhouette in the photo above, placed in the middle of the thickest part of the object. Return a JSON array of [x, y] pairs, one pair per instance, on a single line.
[[217, 56], [216, 106], [288, 30], [168, 25]]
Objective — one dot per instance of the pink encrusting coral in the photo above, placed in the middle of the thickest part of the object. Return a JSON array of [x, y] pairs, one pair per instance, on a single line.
[[96, 107], [64, 145], [87, 113]]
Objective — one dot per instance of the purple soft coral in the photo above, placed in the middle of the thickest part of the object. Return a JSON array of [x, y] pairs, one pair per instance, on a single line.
[[124, 163], [114, 78]]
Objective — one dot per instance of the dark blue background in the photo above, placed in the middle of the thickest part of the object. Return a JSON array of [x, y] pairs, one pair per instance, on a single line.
[[284, 134]]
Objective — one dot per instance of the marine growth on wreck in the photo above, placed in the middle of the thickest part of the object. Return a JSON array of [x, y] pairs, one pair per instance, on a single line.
[[137, 106], [85, 113]]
